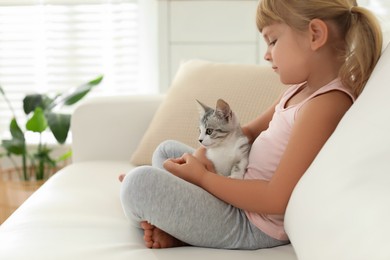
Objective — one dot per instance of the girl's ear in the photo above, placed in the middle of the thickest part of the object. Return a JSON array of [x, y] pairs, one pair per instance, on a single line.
[[318, 30]]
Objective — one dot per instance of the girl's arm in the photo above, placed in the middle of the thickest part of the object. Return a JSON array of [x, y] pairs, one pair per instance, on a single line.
[[260, 123], [314, 124]]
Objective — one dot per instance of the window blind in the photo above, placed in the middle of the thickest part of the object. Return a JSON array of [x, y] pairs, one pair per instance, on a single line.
[[53, 45]]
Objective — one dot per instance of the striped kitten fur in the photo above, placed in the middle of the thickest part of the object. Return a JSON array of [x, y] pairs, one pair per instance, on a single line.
[[221, 134]]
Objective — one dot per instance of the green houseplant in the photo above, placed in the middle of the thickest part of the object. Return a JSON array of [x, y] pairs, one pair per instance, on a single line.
[[42, 114]]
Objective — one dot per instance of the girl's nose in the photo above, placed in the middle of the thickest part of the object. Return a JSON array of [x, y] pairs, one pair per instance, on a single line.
[[267, 56]]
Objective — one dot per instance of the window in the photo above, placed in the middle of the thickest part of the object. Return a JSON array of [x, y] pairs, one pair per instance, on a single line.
[[53, 45]]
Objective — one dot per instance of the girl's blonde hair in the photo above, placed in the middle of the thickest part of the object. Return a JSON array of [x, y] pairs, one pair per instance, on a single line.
[[361, 32]]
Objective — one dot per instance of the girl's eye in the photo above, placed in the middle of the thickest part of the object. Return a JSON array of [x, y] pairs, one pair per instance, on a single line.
[[209, 131], [272, 43]]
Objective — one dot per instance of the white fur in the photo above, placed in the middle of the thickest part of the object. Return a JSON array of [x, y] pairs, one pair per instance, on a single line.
[[228, 154]]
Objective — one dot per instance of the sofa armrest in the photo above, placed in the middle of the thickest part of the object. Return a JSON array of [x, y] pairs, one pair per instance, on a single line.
[[110, 128]]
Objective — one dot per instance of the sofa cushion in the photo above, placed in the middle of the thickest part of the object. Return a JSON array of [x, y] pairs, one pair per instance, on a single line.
[[340, 208], [177, 117]]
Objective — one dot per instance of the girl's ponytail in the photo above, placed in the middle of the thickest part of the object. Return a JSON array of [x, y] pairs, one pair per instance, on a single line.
[[364, 46]]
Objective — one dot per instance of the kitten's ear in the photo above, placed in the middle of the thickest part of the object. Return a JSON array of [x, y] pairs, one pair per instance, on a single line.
[[202, 108], [223, 110]]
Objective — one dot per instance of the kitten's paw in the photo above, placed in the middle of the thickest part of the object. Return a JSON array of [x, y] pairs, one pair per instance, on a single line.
[[238, 176]]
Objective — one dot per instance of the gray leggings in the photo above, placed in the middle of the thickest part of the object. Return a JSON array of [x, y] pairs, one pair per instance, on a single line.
[[184, 210]]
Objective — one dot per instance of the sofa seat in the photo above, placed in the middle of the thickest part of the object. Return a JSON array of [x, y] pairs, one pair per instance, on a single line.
[[77, 215]]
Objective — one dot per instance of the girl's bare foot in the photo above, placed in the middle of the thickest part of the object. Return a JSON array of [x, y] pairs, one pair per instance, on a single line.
[[156, 238], [121, 177]]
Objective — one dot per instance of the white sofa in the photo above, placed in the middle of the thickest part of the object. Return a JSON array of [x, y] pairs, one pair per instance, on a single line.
[[339, 209]]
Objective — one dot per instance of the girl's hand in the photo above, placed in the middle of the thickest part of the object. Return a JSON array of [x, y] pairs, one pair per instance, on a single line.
[[186, 167], [200, 154]]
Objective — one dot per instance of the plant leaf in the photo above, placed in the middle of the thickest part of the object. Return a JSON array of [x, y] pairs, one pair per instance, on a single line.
[[17, 145], [76, 94], [16, 131], [30, 102], [14, 146], [65, 156], [37, 123], [59, 125]]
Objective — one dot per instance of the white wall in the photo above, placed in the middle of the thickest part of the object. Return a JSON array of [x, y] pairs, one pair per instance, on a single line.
[[218, 30]]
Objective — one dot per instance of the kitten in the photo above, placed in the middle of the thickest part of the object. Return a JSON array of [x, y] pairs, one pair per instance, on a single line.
[[221, 134]]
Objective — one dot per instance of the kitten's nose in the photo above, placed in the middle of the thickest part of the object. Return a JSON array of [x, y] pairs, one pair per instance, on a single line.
[[200, 140]]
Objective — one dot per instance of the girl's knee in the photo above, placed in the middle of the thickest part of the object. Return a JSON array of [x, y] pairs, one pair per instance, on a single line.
[[134, 190], [165, 146], [134, 183], [139, 191], [135, 179], [170, 149], [166, 143], [164, 151]]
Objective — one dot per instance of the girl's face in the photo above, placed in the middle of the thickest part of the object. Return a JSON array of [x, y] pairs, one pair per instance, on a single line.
[[288, 51]]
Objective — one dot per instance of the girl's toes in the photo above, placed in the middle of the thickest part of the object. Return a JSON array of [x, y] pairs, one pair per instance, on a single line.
[[121, 177], [148, 233], [149, 244], [156, 245], [146, 225]]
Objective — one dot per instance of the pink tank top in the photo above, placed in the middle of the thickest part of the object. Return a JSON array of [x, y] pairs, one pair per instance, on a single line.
[[268, 149]]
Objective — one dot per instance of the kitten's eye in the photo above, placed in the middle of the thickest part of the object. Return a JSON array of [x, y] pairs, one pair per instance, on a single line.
[[209, 131]]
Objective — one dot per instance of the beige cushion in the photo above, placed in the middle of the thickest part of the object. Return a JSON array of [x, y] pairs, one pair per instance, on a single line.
[[249, 89]]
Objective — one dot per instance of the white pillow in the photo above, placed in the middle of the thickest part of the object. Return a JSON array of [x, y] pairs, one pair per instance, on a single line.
[[249, 89], [340, 208]]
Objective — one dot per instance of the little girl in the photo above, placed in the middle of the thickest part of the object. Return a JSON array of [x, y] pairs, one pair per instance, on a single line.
[[326, 51]]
